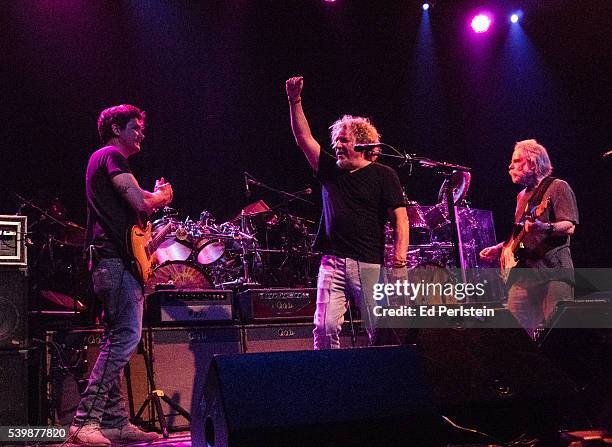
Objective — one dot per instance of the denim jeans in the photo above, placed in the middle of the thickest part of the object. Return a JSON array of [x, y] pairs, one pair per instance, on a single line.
[[531, 306], [342, 279], [122, 299]]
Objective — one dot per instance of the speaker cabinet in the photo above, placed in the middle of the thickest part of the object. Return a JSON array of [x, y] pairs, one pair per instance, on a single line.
[[296, 337], [21, 387], [13, 312], [496, 380], [71, 356], [579, 342], [348, 397], [181, 357]]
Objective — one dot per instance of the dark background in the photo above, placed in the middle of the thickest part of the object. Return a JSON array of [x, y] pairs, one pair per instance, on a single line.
[[211, 79]]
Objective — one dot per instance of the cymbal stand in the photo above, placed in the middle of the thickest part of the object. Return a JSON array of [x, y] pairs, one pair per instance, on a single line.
[[156, 395]]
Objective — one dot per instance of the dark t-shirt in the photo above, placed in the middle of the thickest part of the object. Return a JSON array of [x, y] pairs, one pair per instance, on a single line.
[[355, 209], [545, 252], [109, 216]]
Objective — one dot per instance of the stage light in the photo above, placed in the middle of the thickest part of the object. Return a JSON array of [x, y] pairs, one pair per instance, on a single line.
[[425, 6], [481, 23], [514, 18]]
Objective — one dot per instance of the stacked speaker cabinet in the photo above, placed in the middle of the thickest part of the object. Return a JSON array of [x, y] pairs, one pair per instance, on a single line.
[[19, 366], [20, 387], [181, 357], [13, 309], [296, 337]]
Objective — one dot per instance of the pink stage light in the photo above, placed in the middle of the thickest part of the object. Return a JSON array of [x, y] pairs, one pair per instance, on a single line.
[[481, 23]]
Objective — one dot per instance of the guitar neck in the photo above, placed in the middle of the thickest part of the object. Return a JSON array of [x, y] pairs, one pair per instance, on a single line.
[[158, 239]]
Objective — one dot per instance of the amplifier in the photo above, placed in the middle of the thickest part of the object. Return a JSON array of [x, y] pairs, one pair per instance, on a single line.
[[296, 336], [189, 306], [13, 250], [277, 304]]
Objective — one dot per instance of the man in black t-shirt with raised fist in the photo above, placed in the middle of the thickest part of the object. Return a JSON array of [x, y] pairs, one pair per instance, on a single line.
[[359, 196]]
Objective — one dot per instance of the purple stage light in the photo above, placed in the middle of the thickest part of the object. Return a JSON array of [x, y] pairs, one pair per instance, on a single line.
[[514, 18], [481, 23], [425, 6]]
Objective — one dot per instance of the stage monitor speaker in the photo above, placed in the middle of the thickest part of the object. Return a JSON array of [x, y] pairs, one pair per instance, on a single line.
[[584, 353], [71, 356], [13, 311], [296, 337], [21, 387], [181, 357], [348, 397], [495, 380]]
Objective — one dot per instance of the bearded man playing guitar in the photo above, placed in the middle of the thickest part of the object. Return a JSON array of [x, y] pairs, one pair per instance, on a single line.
[[536, 260], [115, 203]]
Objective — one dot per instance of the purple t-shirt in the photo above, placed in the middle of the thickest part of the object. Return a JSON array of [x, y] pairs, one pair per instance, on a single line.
[[109, 216]]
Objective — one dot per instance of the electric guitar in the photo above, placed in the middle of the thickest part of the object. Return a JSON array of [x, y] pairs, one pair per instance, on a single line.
[[508, 257], [143, 248]]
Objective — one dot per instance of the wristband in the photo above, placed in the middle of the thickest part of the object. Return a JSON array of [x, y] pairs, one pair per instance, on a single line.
[[294, 100]]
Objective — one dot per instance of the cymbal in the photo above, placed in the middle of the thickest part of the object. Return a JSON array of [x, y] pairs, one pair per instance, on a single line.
[[70, 233], [62, 300]]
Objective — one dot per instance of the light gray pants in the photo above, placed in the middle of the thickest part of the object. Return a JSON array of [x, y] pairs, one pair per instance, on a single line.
[[532, 306], [340, 280]]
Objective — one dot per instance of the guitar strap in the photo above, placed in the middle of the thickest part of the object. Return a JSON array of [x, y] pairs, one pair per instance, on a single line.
[[538, 194]]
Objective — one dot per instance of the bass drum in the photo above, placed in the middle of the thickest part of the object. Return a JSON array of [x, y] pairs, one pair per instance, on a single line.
[[435, 280], [181, 275]]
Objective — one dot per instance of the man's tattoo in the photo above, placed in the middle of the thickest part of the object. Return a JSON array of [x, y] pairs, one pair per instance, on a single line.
[[124, 189]]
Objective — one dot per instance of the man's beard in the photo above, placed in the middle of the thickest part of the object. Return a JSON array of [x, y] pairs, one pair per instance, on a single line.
[[344, 163]]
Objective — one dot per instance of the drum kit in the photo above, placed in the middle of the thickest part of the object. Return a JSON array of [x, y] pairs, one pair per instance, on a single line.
[[260, 246], [59, 278]]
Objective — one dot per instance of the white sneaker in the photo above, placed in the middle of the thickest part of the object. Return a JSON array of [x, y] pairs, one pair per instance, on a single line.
[[89, 435], [130, 433]]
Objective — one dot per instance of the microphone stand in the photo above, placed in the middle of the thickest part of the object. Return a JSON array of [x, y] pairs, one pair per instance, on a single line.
[[285, 218], [287, 195], [446, 170]]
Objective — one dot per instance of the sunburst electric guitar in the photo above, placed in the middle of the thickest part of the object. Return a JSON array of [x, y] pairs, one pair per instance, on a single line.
[[508, 258], [143, 248]]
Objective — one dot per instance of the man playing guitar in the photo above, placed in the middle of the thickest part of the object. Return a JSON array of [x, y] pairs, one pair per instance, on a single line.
[[115, 202], [546, 216]]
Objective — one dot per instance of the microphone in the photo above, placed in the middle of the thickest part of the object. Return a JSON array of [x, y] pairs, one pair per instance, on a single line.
[[365, 146], [247, 190]]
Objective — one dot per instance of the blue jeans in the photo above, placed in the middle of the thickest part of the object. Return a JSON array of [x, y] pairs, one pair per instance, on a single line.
[[531, 306], [122, 299], [341, 279]]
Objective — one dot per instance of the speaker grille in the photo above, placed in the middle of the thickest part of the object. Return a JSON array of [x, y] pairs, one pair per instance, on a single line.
[[12, 310]]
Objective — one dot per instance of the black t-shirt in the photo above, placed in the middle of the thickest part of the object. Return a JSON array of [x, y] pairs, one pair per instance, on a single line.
[[355, 208], [109, 216], [550, 255]]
